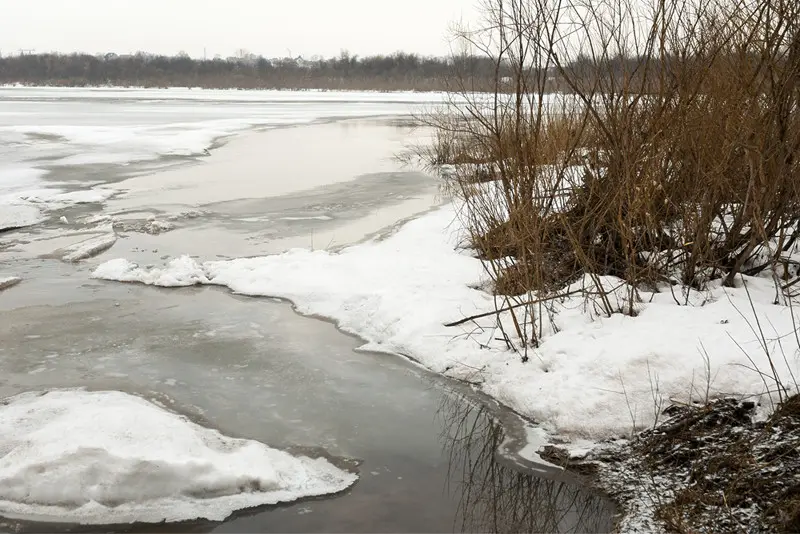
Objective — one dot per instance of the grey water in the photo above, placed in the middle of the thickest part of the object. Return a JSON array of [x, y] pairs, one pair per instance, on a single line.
[[425, 449]]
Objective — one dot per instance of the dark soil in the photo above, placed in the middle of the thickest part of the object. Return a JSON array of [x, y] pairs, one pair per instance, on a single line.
[[710, 468]]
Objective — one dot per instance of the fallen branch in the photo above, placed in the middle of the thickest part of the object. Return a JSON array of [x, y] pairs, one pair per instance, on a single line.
[[513, 307]]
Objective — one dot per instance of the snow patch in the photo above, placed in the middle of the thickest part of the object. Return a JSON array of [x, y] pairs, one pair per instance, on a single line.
[[535, 438], [180, 272], [27, 208], [54, 198], [89, 196], [108, 457], [89, 248]]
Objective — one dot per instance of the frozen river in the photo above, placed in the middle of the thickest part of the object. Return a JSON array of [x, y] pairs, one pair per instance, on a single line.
[[154, 174]]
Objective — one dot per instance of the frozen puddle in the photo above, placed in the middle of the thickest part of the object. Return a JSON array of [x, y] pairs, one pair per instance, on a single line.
[[107, 457]]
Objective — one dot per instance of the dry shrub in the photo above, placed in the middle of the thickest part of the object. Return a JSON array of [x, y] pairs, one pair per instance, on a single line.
[[727, 469], [670, 156]]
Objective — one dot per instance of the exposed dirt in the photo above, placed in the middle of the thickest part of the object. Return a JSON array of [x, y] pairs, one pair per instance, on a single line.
[[709, 468]]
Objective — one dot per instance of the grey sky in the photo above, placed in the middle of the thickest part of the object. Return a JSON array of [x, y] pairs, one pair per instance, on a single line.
[[268, 27]]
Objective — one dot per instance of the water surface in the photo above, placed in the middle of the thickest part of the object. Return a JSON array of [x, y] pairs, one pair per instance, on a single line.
[[250, 367]]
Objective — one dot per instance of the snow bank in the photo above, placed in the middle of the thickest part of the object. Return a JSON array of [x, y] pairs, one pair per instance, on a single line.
[[594, 378], [9, 281], [89, 248], [109, 457]]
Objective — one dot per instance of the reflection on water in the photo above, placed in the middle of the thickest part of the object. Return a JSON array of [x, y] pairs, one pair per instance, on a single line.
[[497, 497]]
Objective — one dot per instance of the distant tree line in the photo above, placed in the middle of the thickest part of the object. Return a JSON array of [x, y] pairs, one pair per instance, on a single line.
[[398, 71]]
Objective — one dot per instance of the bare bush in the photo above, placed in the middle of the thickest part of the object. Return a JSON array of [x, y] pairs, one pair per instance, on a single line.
[[668, 156]]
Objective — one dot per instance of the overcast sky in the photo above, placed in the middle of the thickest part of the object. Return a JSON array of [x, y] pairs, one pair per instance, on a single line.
[[267, 27]]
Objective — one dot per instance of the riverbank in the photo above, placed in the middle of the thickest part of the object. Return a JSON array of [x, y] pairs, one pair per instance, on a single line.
[[716, 467], [252, 368], [589, 380], [596, 378]]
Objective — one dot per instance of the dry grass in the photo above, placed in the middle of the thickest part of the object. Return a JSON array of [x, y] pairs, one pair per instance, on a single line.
[[736, 470], [711, 468]]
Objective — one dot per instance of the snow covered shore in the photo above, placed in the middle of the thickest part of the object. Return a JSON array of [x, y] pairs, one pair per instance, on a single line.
[[108, 457], [596, 377]]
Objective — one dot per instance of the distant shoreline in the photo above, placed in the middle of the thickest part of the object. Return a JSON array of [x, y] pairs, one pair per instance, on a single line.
[[399, 71], [18, 85]]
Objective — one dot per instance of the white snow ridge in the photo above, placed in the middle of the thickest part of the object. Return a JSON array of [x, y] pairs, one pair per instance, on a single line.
[[108, 457]]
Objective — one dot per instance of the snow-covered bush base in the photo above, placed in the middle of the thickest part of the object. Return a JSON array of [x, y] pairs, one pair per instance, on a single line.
[[108, 457]]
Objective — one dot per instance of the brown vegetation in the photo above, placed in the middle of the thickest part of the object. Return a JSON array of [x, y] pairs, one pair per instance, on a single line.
[[672, 158], [726, 471]]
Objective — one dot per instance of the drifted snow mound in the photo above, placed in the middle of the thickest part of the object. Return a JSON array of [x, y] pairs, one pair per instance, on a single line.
[[108, 457]]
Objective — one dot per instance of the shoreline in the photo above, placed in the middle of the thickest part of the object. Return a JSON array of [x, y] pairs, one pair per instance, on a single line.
[[464, 391], [382, 205], [428, 256], [376, 322], [508, 412], [600, 470], [230, 88], [234, 90]]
